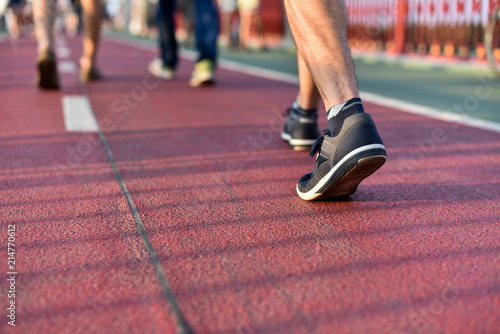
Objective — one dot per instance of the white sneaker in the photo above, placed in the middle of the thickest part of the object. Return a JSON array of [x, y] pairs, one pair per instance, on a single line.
[[157, 69]]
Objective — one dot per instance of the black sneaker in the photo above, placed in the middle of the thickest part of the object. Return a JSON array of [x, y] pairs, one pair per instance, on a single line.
[[47, 70], [343, 161], [301, 128]]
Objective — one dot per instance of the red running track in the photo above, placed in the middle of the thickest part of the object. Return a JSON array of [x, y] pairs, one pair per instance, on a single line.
[[415, 250]]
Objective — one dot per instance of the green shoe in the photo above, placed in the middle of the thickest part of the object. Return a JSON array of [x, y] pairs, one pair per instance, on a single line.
[[47, 70], [203, 74]]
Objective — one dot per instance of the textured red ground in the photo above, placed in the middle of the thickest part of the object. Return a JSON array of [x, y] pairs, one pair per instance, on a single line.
[[82, 267], [415, 250]]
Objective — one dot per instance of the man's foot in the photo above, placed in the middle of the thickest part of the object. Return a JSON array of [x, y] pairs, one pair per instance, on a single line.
[[344, 160], [88, 70], [301, 127], [157, 69], [90, 75], [203, 74], [47, 70]]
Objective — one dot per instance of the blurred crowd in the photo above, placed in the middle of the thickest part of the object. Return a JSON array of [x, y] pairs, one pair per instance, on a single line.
[[16, 17], [240, 21]]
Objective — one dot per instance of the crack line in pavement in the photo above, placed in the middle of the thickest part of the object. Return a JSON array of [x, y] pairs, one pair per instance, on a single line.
[[181, 322], [182, 325]]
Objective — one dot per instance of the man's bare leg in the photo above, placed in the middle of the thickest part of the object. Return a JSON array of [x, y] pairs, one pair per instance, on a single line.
[[44, 15], [308, 96], [322, 42], [301, 127], [351, 149], [245, 26], [92, 13]]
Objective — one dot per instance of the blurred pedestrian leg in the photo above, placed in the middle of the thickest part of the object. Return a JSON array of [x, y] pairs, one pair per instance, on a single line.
[[206, 32]]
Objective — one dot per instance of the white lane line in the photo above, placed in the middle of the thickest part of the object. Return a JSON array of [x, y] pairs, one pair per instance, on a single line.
[[66, 66], [246, 69], [259, 72], [366, 96], [78, 115], [442, 115], [62, 52], [60, 41]]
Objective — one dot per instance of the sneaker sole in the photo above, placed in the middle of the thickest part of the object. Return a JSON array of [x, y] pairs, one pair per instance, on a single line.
[[298, 144], [162, 75], [47, 71], [203, 80], [205, 83], [344, 178]]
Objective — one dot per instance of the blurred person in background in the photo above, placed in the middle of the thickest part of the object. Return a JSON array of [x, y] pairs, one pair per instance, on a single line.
[[72, 18], [152, 8], [14, 16], [227, 37], [44, 16], [250, 18], [185, 22], [206, 32], [138, 18]]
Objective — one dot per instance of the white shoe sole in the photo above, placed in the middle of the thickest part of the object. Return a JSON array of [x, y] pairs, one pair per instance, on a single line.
[[346, 185], [298, 144]]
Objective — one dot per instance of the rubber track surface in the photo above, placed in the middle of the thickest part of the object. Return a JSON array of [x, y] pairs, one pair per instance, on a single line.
[[414, 250]]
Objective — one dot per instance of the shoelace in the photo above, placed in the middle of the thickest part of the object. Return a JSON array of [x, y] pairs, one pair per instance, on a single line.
[[316, 147]]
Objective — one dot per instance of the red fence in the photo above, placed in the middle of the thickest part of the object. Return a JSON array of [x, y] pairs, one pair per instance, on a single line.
[[449, 27], [272, 15], [437, 27]]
